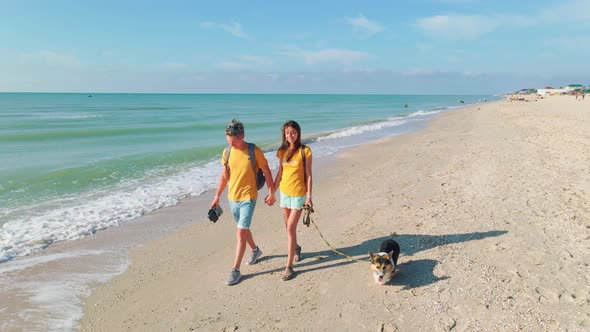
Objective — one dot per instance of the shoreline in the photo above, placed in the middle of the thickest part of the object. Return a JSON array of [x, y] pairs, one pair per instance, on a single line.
[[115, 189], [78, 267], [473, 199]]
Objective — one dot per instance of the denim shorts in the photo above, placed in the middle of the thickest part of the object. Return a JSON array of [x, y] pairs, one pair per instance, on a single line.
[[243, 212], [292, 202]]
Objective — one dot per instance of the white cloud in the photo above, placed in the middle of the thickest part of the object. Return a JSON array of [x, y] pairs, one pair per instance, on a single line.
[[339, 56], [192, 78], [438, 73], [175, 66], [59, 59], [363, 24], [246, 62], [424, 48], [574, 44], [231, 65], [233, 28], [456, 27], [568, 12], [256, 60], [419, 72], [469, 27]]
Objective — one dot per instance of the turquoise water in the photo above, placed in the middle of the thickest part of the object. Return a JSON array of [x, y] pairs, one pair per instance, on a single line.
[[72, 164]]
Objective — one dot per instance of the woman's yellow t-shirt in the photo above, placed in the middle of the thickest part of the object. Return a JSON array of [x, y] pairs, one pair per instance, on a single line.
[[292, 181], [242, 182]]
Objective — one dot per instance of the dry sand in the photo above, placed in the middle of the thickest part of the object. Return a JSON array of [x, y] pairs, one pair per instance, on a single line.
[[491, 208]]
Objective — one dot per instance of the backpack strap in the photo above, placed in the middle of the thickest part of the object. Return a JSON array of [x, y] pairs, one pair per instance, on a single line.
[[227, 151], [252, 157], [250, 153]]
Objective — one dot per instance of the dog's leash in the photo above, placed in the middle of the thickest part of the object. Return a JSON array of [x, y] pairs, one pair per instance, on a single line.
[[307, 211]]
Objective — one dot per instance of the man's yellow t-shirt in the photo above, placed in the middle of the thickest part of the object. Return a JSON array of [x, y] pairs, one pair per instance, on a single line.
[[292, 180], [242, 182]]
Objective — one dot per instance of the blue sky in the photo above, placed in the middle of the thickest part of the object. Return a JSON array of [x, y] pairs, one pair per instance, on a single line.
[[392, 47]]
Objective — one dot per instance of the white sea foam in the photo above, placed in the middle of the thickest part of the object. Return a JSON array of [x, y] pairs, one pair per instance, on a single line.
[[357, 130], [26, 263], [422, 113], [75, 217], [389, 123], [55, 297]]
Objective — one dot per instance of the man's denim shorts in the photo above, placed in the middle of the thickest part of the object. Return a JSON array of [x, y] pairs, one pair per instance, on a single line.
[[243, 212], [292, 202]]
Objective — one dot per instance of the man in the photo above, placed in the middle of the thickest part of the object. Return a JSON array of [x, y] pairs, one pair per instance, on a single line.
[[242, 192]]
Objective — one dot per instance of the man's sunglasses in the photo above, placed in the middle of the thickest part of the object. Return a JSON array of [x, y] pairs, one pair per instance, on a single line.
[[233, 129]]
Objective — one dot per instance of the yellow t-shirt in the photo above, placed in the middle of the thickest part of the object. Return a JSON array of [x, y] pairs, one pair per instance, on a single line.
[[292, 181], [242, 182]]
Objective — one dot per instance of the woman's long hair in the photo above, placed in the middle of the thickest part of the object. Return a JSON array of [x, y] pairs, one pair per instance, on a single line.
[[285, 144]]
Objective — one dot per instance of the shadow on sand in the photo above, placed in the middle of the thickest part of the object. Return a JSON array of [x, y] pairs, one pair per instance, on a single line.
[[413, 273]]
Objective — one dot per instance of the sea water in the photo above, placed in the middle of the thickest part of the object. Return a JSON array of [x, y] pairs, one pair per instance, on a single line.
[[75, 164]]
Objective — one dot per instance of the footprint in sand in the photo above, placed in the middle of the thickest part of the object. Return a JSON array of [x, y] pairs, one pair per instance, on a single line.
[[567, 297], [547, 295]]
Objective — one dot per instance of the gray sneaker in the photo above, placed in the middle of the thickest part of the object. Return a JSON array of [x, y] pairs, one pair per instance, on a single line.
[[254, 256], [234, 277]]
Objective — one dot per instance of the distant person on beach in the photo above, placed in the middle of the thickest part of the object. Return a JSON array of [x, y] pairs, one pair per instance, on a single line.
[[242, 193], [294, 179]]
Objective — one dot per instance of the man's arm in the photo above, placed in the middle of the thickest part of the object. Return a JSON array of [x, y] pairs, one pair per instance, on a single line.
[[223, 178], [270, 199]]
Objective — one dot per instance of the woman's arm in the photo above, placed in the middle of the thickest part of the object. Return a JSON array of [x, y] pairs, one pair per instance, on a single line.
[[279, 176], [308, 180]]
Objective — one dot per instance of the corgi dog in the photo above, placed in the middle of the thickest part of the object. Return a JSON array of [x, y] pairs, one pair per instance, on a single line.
[[384, 263]]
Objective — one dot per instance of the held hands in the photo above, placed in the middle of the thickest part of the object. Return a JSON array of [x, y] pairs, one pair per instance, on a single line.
[[270, 199]]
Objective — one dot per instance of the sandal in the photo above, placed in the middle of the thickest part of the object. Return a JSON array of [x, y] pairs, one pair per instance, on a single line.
[[298, 254], [288, 274]]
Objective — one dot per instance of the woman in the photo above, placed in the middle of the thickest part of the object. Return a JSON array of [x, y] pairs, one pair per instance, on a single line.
[[295, 182]]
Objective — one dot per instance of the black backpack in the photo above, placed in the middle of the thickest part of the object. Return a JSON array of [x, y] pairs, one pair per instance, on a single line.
[[260, 179]]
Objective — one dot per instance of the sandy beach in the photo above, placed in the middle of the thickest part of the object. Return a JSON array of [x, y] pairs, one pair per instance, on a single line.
[[490, 205]]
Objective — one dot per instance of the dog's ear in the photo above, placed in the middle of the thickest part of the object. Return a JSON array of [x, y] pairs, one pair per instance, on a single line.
[[390, 254], [371, 255]]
